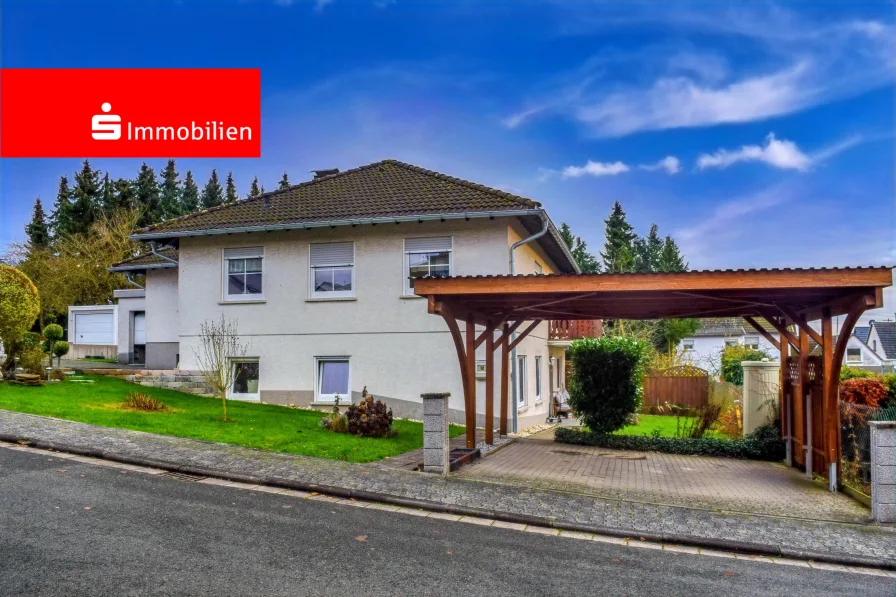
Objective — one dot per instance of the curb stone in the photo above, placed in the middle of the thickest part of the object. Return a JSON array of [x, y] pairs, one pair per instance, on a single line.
[[552, 522]]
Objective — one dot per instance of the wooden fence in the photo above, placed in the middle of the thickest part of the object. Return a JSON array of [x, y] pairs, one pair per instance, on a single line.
[[689, 391]]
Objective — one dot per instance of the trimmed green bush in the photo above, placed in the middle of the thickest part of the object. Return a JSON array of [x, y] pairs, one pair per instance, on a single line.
[[760, 445], [732, 356], [890, 380], [605, 386], [847, 373]]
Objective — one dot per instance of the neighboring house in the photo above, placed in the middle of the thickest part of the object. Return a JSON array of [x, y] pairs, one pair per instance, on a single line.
[[705, 347], [882, 340], [319, 278]]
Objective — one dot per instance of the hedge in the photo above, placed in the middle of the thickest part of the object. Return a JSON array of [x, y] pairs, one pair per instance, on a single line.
[[751, 448]]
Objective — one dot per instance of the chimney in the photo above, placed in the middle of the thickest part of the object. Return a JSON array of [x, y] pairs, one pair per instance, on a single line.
[[324, 173]]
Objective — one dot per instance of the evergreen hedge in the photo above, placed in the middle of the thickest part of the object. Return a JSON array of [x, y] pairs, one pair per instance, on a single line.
[[762, 444]]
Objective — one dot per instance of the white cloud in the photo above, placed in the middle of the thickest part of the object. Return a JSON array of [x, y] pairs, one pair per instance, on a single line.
[[595, 169], [790, 62], [781, 153], [669, 164]]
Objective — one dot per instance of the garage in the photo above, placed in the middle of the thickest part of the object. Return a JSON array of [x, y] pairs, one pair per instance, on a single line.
[[94, 325]]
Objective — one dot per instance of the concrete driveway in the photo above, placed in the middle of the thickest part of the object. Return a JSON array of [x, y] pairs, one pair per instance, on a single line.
[[724, 484]]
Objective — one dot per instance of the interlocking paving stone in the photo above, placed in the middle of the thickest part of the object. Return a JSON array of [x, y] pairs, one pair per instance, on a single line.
[[647, 518]]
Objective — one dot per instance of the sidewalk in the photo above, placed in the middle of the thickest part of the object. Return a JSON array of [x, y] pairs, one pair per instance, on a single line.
[[851, 544]]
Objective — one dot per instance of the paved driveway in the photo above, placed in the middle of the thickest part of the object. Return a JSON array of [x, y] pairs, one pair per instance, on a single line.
[[695, 481]]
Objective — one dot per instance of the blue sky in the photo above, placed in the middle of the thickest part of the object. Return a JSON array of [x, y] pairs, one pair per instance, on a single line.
[[757, 134]]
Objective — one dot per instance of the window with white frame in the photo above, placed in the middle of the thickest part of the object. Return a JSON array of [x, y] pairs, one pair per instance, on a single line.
[[246, 374], [558, 371], [874, 348], [332, 270], [333, 378], [751, 342], [731, 342], [243, 274], [687, 344], [538, 394], [521, 383], [853, 355], [429, 256]]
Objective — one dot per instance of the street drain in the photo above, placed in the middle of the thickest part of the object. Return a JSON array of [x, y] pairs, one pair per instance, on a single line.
[[183, 476]]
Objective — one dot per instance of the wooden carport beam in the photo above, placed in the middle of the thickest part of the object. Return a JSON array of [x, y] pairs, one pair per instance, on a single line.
[[524, 333], [801, 322], [774, 342], [782, 329]]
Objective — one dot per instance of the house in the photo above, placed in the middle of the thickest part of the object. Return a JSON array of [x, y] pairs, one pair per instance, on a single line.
[[705, 347], [319, 277], [882, 341]]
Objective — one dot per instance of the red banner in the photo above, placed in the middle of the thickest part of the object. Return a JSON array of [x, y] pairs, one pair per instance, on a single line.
[[130, 113]]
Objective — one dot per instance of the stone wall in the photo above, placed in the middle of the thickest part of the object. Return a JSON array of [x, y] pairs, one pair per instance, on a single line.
[[883, 470], [190, 382]]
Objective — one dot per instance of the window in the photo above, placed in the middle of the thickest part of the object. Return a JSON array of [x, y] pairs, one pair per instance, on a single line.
[[245, 379], [538, 394], [332, 270], [558, 371], [874, 348], [751, 342], [731, 342], [333, 379], [687, 344], [853, 355], [243, 274], [426, 257], [521, 381]]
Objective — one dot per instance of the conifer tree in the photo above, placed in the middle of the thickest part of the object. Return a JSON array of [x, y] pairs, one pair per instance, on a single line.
[[579, 249], [648, 251], [106, 202], [189, 200], [85, 199], [37, 230], [230, 194], [284, 182], [61, 220], [146, 191], [169, 203], [212, 194], [253, 189], [671, 259], [619, 247], [123, 195]]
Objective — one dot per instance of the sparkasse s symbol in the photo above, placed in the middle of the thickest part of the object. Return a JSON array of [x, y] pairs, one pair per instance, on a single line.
[[106, 127]]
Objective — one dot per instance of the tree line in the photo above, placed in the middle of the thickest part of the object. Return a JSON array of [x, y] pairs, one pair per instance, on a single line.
[[94, 195]]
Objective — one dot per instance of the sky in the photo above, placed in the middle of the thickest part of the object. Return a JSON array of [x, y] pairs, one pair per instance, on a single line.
[[757, 134]]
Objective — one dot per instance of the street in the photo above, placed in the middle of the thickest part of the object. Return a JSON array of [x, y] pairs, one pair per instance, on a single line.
[[68, 528]]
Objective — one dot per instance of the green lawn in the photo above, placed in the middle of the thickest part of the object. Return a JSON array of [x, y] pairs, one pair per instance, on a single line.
[[667, 426], [263, 426]]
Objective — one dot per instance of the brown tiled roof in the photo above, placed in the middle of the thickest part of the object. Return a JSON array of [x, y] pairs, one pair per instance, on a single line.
[[146, 261], [381, 190]]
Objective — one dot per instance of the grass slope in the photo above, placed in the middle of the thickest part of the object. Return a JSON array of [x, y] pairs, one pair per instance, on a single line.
[[263, 426]]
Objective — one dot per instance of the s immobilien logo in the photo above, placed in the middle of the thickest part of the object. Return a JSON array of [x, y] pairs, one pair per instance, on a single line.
[[142, 113]]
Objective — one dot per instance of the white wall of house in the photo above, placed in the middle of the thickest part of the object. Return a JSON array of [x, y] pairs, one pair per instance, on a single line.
[[875, 345], [395, 348], [860, 354], [162, 318], [129, 303]]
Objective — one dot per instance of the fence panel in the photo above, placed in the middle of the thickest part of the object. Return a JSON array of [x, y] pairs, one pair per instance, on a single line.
[[688, 392]]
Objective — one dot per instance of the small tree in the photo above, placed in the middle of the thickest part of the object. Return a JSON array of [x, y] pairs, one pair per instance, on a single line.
[[52, 334], [605, 387], [219, 345], [60, 349], [19, 307]]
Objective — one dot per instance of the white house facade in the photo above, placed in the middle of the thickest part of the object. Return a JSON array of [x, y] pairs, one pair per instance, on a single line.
[[318, 278], [704, 349]]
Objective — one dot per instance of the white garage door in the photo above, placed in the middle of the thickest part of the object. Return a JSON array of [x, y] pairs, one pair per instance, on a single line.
[[94, 328]]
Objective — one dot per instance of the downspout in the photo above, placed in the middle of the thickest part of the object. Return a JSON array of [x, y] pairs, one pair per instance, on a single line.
[[130, 278], [513, 374], [153, 247]]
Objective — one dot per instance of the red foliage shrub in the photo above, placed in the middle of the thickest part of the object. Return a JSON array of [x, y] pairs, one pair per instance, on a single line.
[[868, 391]]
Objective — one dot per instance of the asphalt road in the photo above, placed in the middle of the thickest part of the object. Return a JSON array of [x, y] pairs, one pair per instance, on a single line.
[[77, 529]]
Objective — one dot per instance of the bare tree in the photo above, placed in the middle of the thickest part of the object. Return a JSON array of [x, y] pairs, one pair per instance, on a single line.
[[220, 344]]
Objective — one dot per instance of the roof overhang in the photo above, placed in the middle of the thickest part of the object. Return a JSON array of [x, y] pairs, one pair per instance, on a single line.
[[728, 293], [140, 268], [519, 213]]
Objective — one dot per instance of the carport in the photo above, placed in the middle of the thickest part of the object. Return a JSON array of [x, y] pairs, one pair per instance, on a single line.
[[500, 311]]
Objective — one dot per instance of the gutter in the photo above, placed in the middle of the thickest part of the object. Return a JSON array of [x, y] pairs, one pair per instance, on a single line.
[[153, 248], [130, 278], [513, 374]]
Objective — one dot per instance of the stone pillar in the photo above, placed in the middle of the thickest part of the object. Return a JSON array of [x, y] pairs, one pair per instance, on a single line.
[[435, 433], [761, 385], [883, 470]]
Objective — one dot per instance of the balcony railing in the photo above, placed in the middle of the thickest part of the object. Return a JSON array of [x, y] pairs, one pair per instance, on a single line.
[[574, 329]]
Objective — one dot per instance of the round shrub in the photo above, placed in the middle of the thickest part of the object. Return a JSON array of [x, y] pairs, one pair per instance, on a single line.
[[30, 340], [605, 386], [733, 356], [369, 418], [32, 360], [60, 349], [866, 391], [53, 332]]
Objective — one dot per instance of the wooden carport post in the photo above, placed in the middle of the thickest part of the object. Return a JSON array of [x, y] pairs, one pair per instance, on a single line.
[[470, 389], [490, 384], [505, 377]]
